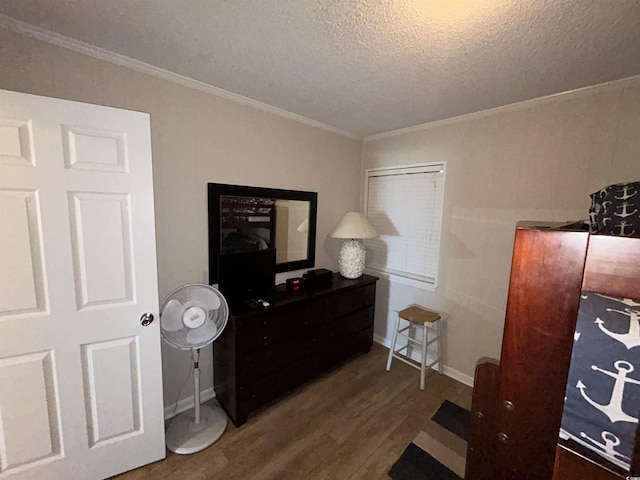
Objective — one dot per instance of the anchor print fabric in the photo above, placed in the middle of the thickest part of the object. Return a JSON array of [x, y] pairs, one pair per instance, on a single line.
[[615, 210], [602, 402]]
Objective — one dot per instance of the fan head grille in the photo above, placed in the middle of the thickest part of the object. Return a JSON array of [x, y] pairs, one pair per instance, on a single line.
[[193, 316]]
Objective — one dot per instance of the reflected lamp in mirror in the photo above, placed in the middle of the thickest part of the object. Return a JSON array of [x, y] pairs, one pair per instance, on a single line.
[[353, 227], [304, 226]]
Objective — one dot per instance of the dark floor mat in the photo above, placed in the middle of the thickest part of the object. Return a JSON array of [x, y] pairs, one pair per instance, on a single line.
[[454, 418], [416, 464]]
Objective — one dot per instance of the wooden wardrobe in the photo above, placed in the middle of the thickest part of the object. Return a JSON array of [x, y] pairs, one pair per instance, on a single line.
[[518, 401]]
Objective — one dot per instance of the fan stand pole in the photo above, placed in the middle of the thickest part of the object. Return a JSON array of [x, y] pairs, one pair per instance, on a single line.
[[187, 434], [195, 353]]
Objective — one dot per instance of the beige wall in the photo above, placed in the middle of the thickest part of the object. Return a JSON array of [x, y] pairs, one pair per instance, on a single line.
[[533, 161], [196, 138]]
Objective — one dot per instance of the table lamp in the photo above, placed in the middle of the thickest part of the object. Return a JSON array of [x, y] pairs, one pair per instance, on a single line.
[[353, 226]]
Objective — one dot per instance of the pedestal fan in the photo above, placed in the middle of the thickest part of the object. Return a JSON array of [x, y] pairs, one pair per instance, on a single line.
[[192, 317]]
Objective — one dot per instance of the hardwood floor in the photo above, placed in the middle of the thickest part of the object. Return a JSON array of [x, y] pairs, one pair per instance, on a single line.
[[352, 423]]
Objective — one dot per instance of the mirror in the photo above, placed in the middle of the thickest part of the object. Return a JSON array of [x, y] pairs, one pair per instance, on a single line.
[[243, 218]]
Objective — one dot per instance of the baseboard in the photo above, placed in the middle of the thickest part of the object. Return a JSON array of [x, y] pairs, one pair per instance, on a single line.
[[459, 376], [187, 403], [448, 371]]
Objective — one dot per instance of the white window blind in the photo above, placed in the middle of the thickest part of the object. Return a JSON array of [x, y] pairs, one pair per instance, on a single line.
[[404, 205]]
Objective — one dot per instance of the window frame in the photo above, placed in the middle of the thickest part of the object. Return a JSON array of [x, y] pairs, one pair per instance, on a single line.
[[427, 167]]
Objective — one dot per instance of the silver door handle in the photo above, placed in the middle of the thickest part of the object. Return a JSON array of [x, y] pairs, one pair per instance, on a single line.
[[146, 319]]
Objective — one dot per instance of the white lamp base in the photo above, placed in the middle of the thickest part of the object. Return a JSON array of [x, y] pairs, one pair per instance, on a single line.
[[184, 436], [351, 260]]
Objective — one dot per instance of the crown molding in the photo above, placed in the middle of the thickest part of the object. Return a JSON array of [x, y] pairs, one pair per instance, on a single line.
[[84, 48], [554, 97]]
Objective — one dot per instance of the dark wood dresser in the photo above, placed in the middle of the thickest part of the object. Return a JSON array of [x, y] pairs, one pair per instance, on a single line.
[[265, 353]]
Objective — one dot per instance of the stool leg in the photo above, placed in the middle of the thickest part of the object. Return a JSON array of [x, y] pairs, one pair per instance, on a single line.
[[439, 342], [423, 361], [412, 334], [393, 343]]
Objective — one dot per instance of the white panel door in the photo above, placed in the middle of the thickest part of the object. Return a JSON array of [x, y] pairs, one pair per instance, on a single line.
[[80, 377]]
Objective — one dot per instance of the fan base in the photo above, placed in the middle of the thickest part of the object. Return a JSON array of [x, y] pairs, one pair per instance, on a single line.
[[184, 436]]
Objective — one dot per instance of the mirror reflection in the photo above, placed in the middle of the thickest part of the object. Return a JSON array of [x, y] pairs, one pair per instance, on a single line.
[[245, 219], [292, 228], [259, 223]]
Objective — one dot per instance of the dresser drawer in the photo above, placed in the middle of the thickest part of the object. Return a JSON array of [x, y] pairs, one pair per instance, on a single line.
[[278, 355], [361, 340], [351, 300], [360, 320], [263, 321], [260, 339], [257, 392], [299, 372], [271, 326]]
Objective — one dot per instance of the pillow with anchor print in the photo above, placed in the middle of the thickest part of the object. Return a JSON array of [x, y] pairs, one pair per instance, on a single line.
[[602, 401], [615, 210]]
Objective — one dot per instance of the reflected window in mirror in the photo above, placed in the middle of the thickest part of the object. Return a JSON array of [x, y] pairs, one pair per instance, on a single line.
[[292, 230]]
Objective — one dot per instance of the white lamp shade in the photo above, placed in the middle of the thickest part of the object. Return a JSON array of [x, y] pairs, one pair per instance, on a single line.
[[353, 225], [304, 226]]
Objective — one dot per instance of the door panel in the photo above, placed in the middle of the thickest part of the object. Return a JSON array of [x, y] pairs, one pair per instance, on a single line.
[[21, 253], [95, 149], [16, 142], [36, 437], [112, 391], [80, 378], [101, 242]]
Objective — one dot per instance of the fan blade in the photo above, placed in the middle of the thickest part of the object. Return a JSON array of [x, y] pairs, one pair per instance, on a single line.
[[203, 334], [206, 298], [171, 316], [213, 316]]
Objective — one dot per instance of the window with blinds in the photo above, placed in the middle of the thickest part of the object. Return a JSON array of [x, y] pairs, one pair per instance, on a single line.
[[404, 205]]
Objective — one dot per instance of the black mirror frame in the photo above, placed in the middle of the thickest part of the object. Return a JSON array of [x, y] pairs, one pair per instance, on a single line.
[[216, 190]]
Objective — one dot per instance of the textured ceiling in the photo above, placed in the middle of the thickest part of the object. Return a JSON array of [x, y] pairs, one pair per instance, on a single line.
[[364, 66]]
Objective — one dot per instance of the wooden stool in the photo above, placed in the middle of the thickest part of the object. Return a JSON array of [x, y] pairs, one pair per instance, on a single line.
[[425, 318]]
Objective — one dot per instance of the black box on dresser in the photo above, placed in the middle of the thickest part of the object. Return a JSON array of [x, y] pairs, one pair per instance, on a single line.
[[263, 354]]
